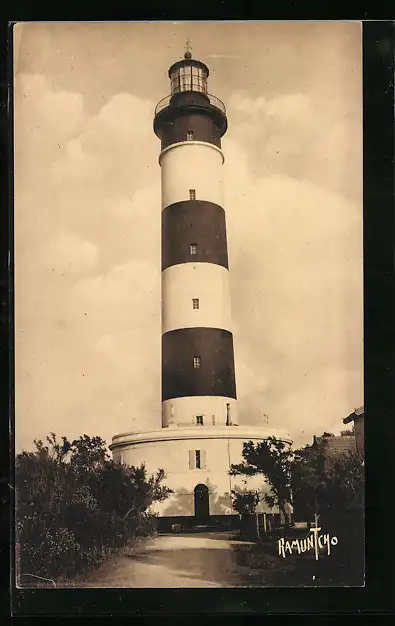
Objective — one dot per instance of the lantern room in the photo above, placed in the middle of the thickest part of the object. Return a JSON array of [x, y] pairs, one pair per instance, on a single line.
[[189, 112], [188, 75]]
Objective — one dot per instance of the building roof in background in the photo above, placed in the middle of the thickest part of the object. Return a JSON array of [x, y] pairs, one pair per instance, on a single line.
[[355, 415]]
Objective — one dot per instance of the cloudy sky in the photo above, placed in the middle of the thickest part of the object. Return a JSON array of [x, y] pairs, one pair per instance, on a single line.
[[87, 221]]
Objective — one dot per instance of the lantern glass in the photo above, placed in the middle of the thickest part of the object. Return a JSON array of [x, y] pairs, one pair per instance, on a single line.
[[188, 77]]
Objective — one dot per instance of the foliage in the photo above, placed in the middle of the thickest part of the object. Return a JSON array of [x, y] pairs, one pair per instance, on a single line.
[[344, 487], [348, 432], [341, 509], [334, 490], [305, 479], [331, 489], [308, 478], [74, 505], [273, 459], [245, 502]]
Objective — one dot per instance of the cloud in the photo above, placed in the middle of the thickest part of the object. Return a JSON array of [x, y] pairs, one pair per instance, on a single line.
[[59, 111], [114, 145], [87, 227], [87, 224], [95, 363], [296, 276], [285, 108], [68, 253], [46, 119], [299, 136]]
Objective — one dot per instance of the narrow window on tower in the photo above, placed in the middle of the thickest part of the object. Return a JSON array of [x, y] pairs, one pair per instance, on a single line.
[[193, 248], [192, 194], [199, 420], [190, 135], [195, 303], [196, 362]]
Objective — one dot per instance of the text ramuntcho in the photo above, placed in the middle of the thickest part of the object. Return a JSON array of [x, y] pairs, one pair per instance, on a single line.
[[314, 541]]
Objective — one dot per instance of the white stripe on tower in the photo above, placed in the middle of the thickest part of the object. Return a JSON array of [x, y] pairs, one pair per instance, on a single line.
[[195, 294], [211, 407], [191, 166]]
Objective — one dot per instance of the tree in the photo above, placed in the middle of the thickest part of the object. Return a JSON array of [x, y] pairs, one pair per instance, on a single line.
[[345, 486], [295, 477], [348, 432], [273, 459], [335, 490], [342, 508], [304, 478], [308, 478], [75, 505], [245, 502]]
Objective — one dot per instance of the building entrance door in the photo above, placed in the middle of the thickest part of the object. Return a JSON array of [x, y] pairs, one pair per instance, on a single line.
[[202, 505]]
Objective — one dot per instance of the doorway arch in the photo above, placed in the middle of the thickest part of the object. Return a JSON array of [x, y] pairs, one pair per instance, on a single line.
[[202, 504]]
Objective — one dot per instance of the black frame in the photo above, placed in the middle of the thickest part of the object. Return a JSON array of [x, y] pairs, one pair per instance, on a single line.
[[377, 597]]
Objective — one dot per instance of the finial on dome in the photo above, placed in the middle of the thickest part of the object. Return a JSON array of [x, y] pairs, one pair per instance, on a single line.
[[187, 54]]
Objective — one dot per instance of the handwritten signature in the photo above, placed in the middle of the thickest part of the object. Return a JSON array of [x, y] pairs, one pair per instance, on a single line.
[[314, 542]]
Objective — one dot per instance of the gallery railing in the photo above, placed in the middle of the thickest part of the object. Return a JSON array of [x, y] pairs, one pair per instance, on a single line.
[[214, 101]]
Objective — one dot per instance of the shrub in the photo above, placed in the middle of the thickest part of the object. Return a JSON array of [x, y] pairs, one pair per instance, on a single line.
[[75, 506]]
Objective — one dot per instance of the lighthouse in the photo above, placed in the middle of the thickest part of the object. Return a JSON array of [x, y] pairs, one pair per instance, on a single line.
[[197, 436], [198, 372]]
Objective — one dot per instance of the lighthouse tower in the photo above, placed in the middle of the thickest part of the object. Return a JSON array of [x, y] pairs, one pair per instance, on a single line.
[[199, 438], [198, 374]]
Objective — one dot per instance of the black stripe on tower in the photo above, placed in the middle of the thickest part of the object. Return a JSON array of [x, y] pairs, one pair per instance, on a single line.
[[190, 112], [216, 374], [194, 223]]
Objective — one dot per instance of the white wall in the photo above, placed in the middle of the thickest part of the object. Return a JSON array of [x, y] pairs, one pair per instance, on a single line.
[[191, 165], [208, 282], [186, 408], [173, 457]]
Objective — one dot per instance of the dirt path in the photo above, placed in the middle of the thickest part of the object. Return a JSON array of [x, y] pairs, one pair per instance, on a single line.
[[207, 560]]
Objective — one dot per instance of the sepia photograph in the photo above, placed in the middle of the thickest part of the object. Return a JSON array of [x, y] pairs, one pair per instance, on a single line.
[[188, 267]]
